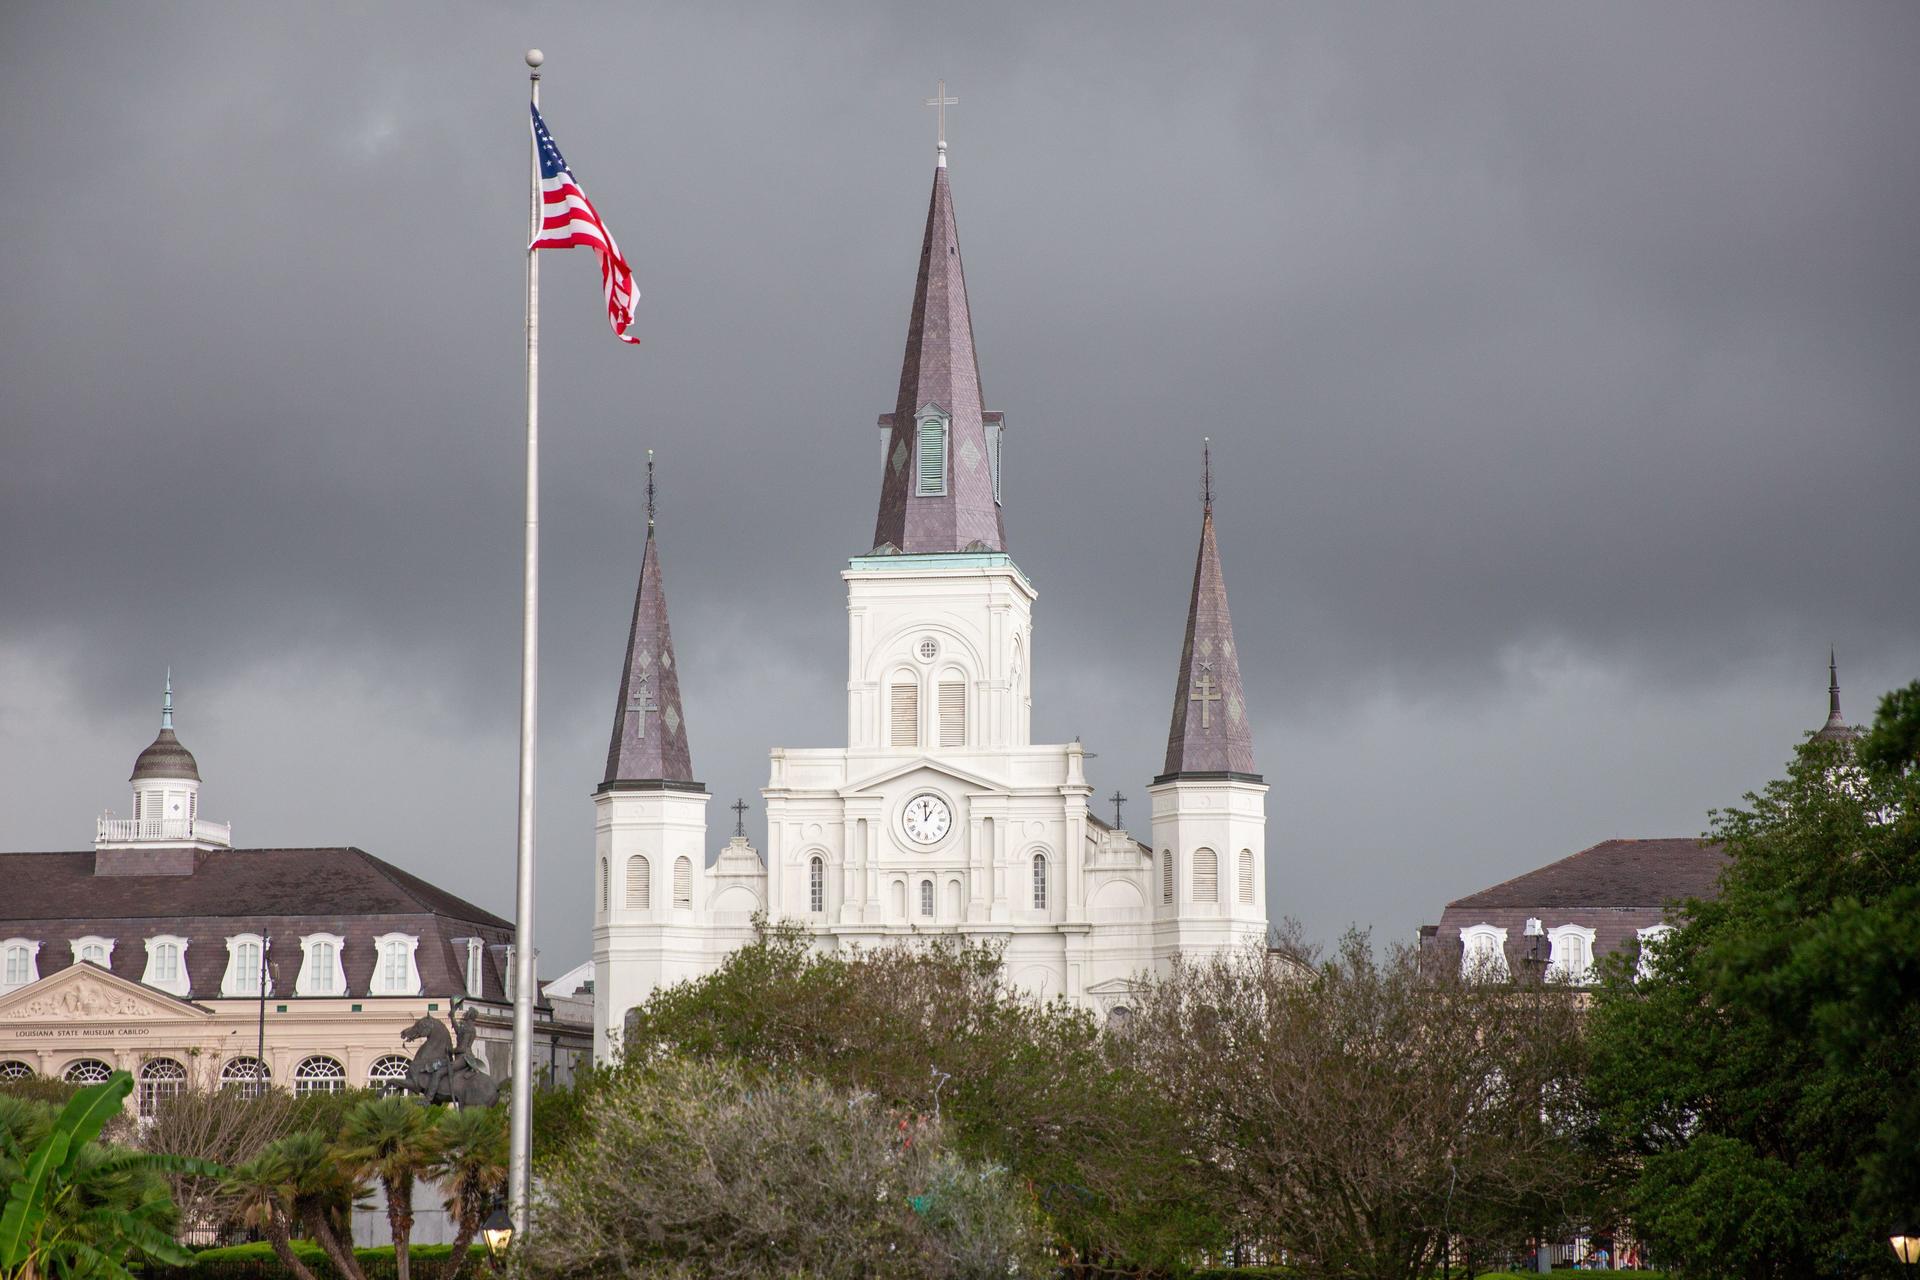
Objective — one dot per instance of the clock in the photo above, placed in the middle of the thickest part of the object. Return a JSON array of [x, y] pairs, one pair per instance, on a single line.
[[927, 819]]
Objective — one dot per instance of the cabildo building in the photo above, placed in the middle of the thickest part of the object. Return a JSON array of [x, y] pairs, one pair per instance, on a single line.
[[939, 813], [166, 952]]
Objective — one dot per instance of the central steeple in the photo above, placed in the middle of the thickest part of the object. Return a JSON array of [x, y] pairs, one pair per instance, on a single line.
[[940, 490]]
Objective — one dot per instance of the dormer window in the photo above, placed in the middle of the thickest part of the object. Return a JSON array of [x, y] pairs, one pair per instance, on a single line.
[[246, 966], [321, 973], [476, 951], [93, 948], [167, 965], [996, 432], [19, 963], [1650, 939], [394, 973], [1572, 953], [930, 455], [1483, 952]]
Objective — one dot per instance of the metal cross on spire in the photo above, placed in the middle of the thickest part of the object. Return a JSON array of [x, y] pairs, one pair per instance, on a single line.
[[1117, 800], [1206, 472], [940, 102], [739, 808], [649, 490]]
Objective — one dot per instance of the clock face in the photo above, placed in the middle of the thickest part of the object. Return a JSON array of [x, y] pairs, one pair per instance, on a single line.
[[927, 819]]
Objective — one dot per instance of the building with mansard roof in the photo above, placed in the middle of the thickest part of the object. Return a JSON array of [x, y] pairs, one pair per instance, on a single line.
[[167, 952], [939, 813], [1619, 895]]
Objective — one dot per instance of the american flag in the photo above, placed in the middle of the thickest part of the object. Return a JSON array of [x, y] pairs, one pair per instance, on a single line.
[[569, 221]]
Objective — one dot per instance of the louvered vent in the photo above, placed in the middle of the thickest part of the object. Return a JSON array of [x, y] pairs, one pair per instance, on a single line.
[[1166, 875], [931, 458], [1206, 876], [682, 883], [1246, 875], [906, 715], [639, 882], [953, 713]]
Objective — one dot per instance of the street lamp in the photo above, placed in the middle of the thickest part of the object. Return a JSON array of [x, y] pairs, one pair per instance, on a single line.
[[1906, 1247], [498, 1229]]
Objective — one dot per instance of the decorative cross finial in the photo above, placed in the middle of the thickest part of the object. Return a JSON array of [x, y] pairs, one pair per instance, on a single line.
[[739, 808], [166, 704], [940, 102], [649, 490], [1833, 683], [1117, 800], [1206, 472]]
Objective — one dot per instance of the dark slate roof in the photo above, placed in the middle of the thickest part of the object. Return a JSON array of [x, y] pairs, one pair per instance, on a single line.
[[940, 368], [649, 724], [165, 758], [1836, 729], [1613, 873], [281, 893], [1210, 733]]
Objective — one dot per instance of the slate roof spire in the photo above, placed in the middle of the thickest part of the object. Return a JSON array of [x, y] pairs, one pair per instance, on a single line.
[[165, 756], [1836, 729], [947, 502], [649, 729], [1209, 736]]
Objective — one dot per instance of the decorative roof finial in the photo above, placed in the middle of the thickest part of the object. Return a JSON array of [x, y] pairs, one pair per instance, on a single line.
[[1833, 684], [1206, 473], [649, 491], [166, 705], [739, 808], [940, 102]]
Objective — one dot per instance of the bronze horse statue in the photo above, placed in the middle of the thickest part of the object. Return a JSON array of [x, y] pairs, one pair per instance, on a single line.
[[446, 1071]]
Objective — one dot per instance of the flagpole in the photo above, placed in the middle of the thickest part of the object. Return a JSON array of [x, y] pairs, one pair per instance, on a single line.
[[525, 966]]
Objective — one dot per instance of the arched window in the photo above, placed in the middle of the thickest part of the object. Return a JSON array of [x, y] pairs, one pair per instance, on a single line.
[[603, 884], [167, 965], [244, 966], [639, 882], [1206, 876], [1039, 882], [953, 710], [955, 911], [247, 1076], [816, 884], [19, 963], [1483, 952], [320, 971], [926, 898], [388, 1074], [1572, 953], [1246, 875], [1166, 875], [87, 1071], [930, 456], [14, 1069], [94, 949], [160, 1079], [899, 896], [904, 713], [319, 1074], [394, 973], [682, 882]]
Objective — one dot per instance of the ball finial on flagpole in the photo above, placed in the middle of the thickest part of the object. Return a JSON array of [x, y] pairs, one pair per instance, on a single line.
[[535, 57]]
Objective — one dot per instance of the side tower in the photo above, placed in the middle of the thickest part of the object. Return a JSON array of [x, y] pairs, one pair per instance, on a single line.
[[1209, 886], [650, 824]]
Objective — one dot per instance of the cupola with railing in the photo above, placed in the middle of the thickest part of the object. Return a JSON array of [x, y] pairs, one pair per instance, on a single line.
[[166, 832]]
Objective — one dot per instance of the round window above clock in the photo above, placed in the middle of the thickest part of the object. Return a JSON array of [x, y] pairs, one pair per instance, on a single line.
[[926, 819]]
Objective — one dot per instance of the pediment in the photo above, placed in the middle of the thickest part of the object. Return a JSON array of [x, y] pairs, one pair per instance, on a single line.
[[1116, 987], [84, 992], [939, 768]]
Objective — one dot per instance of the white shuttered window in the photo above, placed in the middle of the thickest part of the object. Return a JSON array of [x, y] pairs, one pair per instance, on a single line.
[[682, 883], [953, 713], [1206, 876], [1246, 875], [639, 882], [906, 715]]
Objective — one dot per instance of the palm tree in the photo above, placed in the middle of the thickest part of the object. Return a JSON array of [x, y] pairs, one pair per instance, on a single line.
[[262, 1191], [323, 1195], [391, 1139], [471, 1167]]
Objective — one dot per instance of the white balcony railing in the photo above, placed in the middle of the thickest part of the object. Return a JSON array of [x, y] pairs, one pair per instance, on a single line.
[[129, 830]]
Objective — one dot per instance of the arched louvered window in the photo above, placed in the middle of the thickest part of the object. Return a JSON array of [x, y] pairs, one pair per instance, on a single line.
[[953, 713], [996, 444], [926, 898], [930, 457], [816, 884], [682, 882], [1206, 876], [605, 876], [1039, 882], [1246, 875], [905, 708], [639, 882], [1166, 875]]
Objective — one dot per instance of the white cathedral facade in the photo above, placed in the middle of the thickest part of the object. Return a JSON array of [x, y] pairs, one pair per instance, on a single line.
[[940, 814]]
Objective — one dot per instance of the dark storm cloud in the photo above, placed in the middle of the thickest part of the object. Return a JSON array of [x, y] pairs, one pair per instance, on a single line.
[[1559, 362]]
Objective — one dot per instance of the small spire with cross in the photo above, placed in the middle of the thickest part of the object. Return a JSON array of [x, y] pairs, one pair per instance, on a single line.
[[739, 808], [940, 102], [1206, 474], [1117, 800], [649, 491]]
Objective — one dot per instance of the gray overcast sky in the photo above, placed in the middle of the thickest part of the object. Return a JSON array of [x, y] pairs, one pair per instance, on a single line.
[[1560, 362]]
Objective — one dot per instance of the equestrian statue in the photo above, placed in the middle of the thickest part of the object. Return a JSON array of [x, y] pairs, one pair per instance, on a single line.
[[446, 1069]]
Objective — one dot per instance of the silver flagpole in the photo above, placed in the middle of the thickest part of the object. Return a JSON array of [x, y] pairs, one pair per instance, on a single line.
[[525, 965]]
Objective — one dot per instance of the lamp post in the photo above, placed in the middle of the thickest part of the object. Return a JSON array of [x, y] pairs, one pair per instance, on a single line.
[[1906, 1246], [498, 1230]]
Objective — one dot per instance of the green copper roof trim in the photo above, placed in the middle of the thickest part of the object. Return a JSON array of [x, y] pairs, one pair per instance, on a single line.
[[935, 560]]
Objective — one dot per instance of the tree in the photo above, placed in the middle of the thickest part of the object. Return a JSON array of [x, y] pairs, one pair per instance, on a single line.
[[75, 1208], [933, 1026], [471, 1168], [218, 1124], [391, 1140], [1756, 1088], [712, 1169], [1361, 1113]]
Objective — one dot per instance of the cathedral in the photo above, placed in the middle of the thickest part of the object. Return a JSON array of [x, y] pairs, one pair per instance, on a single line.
[[940, 814]]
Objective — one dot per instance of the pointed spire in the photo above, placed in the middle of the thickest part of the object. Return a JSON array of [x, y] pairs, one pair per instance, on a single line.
[[166, 703], [649, 732], [1209, 736], [945, 500], [165, 757], [1836, 729]]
